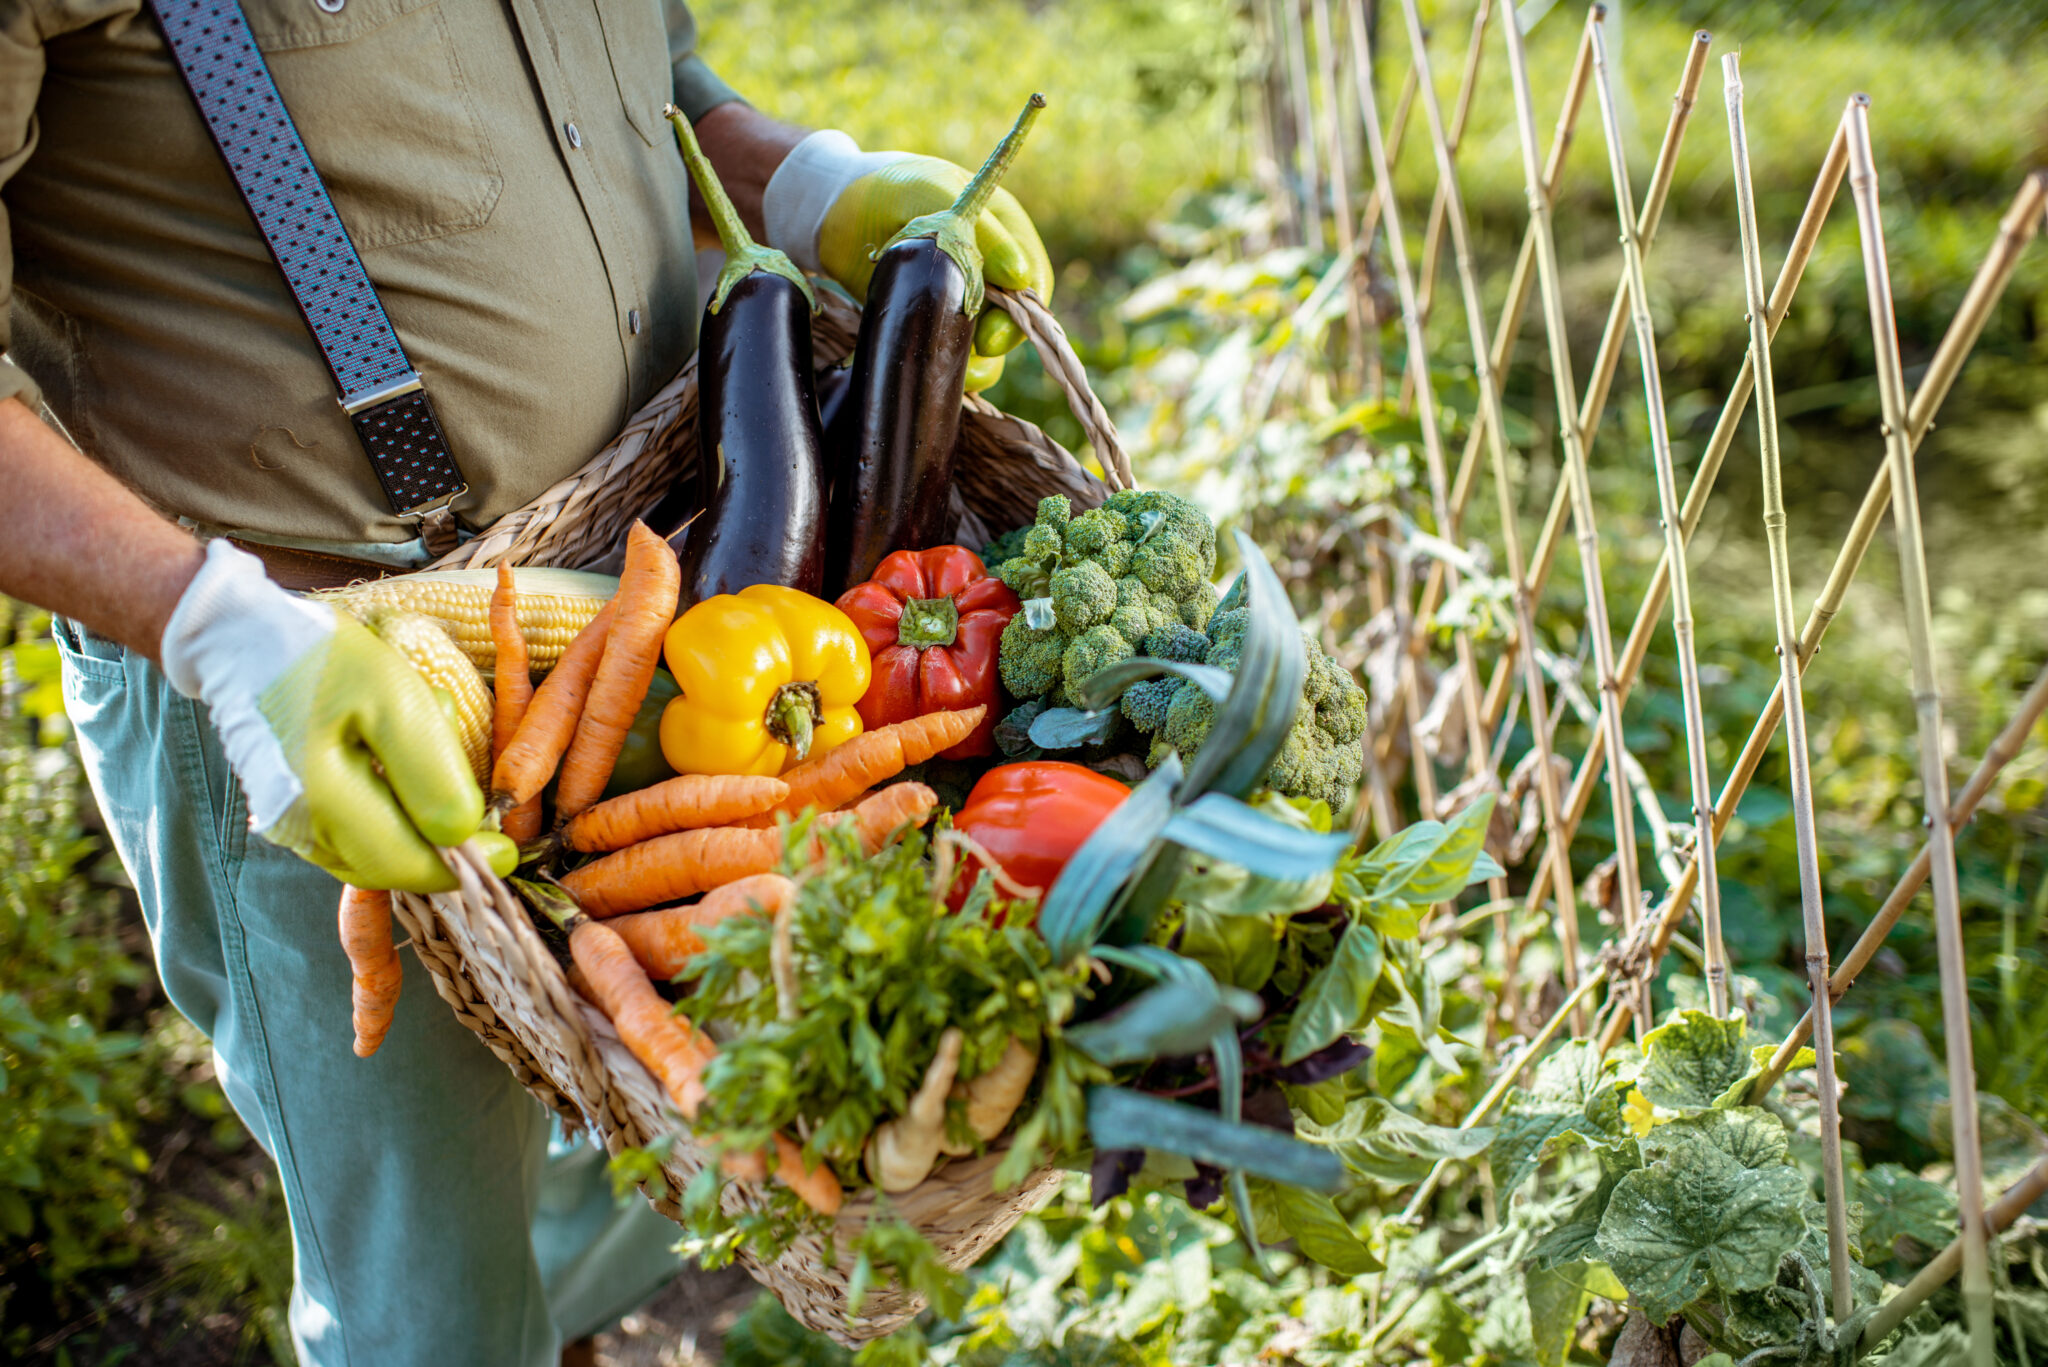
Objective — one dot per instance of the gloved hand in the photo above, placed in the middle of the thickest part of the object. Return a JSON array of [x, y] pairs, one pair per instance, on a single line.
[[342, 749], [830, 206]]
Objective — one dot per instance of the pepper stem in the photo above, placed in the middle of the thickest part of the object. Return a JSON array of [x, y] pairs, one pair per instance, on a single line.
[[928, 622], [953, 228], [743, 256], [550, 901], [793, 715]]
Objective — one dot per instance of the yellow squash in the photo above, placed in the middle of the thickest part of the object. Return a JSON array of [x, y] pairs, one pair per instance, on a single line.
[[769, 678]]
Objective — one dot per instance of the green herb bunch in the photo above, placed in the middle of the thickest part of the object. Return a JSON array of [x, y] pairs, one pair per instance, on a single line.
[[833, 1040]]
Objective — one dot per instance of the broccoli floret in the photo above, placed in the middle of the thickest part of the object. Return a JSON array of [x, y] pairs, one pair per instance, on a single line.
[[1091, 533], [1131, 623], [1008, 546], [1342, 714], [1095, 648], [1083, 596], [1029, 659], [1055, 511], [1175, 544], [1179, 643], [1199, 607], [1145, 704]]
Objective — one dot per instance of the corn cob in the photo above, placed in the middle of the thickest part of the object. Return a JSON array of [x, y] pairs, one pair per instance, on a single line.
[[553, 606], [427, 647]]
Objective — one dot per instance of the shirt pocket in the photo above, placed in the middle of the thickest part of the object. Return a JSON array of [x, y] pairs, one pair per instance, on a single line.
[[636, 43], [385, 107]]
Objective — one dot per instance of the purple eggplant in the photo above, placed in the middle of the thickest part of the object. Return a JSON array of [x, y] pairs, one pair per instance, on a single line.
[[892, 489], [759, 498]]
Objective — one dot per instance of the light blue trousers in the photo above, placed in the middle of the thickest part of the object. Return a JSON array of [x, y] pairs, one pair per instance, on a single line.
[[433, 1222]]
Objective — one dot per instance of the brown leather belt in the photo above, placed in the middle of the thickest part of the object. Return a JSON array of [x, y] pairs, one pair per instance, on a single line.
[[292, 568]]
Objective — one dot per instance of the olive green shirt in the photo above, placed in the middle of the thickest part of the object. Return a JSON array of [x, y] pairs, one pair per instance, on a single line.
[[504, 169]]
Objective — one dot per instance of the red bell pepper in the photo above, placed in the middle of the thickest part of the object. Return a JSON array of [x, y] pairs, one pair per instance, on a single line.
[[1031, 817], [933, 620]]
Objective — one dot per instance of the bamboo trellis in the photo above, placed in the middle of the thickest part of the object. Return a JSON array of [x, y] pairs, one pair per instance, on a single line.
[[1518, 684]]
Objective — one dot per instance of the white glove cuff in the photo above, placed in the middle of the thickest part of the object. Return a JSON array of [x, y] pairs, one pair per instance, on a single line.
[[806, 186], [230, 637]]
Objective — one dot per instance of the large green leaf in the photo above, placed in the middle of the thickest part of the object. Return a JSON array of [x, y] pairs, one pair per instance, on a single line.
[[1750, 1135], [1554, 1104], [1336, 999], [1322, 1233], [1698, 1220], [1377, 1141], [1239, 950], [1222, 827], [1081, 897], [1122, 1119], [1897, 1078], [1698, 1061], [1429, 862], [1897, 1204], [1574, 1238]]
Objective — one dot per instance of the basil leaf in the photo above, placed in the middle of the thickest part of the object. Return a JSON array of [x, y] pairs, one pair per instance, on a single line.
[[1336, 999], [1429, 862], [1222, 827], [1418, 1001], [1322, 1233], [1119, 1118], [1080, 898], [1107, 684]]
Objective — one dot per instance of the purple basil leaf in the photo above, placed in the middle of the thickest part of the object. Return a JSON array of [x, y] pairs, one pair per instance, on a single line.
[[1110, 1173], [1205, 1188], [1333, 1060]]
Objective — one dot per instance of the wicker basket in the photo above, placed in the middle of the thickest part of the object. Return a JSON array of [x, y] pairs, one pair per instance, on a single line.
[[490, 964]]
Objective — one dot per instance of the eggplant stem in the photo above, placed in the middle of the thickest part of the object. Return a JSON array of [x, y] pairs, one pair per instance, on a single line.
[[743, 255], [953, 228]]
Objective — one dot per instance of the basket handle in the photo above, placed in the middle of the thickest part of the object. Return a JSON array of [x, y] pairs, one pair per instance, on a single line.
[[1045, 333]]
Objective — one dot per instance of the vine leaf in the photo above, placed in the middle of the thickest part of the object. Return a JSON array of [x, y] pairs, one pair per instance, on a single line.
[[1322, 1233], [1337, 999], [1750, 1135], [1558, 1298], [1573, 1238], [1898, 1204], [1697, 1219], [1377, 1141], [1698, 1062], [1554, 1104]]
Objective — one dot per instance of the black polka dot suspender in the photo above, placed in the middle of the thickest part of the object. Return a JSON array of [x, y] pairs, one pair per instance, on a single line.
[[378, 387]]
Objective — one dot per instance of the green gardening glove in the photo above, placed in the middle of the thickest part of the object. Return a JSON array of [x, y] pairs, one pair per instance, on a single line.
[[342, 749], [832, 206]]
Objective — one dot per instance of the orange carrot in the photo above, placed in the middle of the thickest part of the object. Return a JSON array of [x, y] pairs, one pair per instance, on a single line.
[[868, 759], [672, 1050], [646, 602], [373, 962], [664, 940], [511, 692], [670, 867], [819, 1186], [530, 757], [899, 805], [687, 802]]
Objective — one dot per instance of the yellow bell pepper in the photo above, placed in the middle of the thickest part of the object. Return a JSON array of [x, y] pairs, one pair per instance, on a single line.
[[770, 676]]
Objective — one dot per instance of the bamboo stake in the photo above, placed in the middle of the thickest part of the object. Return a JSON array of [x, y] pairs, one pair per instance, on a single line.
[[1307, 162], [1476, 749], [1489, 402], [1397, 128], [1931, 1278], [2002, 752], [2015, 231], [1811, 909], [1520, 284], [1948, 917], [1273, 168], [1637, 646], [1340, 183], [1628, 876], [1461, 114], [1667, 500]]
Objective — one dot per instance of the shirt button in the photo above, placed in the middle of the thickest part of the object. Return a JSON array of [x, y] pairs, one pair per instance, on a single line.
[[633, 321], [575, 138]]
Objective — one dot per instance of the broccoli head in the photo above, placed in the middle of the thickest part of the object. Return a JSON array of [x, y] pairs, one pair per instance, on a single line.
[[1029, 659], [1181, 644], [1145, 704], [1005, 547], [1115, 577]]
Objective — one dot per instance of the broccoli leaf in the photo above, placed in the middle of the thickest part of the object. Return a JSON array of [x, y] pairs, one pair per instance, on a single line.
[[1698, 1220], [1377, 1141], [1698, 1061], [1064, 728], [1079, 901], [1107, 684], [1180, 1016], [1336, 999], [1322, 1233], [1253, 721]]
